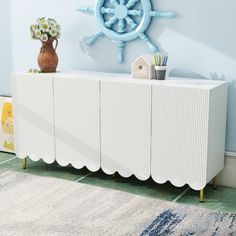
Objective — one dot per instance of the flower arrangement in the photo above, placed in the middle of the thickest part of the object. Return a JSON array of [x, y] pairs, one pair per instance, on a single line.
[[47, 30], [44, 29]]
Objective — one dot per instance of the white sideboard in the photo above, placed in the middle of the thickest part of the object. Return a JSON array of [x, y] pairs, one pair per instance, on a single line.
[[172, 130]]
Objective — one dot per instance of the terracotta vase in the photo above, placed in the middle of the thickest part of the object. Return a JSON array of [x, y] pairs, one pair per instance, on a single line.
[[48, 59]]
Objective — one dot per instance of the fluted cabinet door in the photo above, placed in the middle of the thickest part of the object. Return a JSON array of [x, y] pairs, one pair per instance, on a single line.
[[77, 121], [126, 128], [180, 135], [33, 116]]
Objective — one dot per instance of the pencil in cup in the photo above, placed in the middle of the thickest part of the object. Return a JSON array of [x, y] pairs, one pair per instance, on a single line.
[[160, 59]]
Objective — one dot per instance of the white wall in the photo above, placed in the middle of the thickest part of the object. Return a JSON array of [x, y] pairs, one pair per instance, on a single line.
[[227, 176], [200, 41], [5, 47]]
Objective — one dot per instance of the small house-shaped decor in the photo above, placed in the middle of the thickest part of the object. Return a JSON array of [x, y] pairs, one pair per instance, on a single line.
[[143, 67]]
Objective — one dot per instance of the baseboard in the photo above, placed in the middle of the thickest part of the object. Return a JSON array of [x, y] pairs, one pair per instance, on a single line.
[[227, 176], [230, 154]]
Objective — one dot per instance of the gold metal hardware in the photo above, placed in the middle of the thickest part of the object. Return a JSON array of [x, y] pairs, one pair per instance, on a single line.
[[215, 183], [24, 163], [201, 196]]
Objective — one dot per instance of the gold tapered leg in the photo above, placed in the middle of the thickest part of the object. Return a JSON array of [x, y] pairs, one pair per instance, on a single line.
[[215, 183], [201, 199], [24, 163]]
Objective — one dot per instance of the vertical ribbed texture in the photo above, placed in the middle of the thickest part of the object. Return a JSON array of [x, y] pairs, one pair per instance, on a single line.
[[77, 122], [125, 128], [33, 116], [180, 135]]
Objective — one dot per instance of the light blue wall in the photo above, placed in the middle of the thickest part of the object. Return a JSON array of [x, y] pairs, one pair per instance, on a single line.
[[201, 42], [5, 47]]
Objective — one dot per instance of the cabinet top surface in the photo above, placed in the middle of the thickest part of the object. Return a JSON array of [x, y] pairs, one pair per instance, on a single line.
[[116, 77]]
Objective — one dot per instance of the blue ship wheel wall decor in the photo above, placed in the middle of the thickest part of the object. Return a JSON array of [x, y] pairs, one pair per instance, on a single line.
[[123, 21]]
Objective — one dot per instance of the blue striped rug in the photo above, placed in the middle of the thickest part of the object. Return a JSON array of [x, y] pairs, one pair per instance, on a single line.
[[186, 221]]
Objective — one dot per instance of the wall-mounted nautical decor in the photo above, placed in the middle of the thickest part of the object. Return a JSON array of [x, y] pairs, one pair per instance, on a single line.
[[123, 21]]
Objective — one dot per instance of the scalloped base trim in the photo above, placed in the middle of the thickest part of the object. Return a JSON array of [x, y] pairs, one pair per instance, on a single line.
[[60, 162], [180, 183], [159, 180], [125, 174]]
